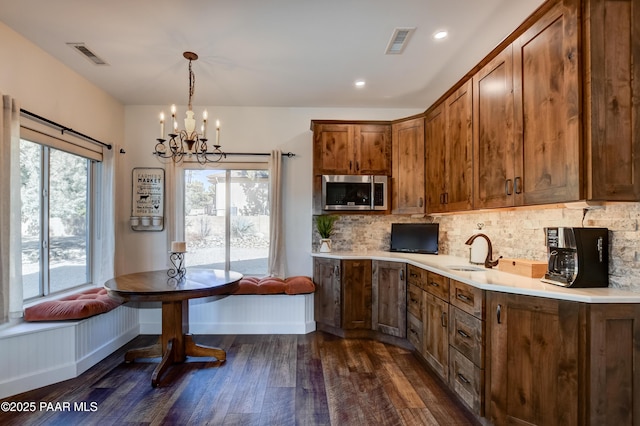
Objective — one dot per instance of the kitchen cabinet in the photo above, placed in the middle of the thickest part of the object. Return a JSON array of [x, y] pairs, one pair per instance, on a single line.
[[533, 350], [408, 166], [389, 298], [343, 293], [429, 293], [527, 134], [547, 108], [357, 148], [449, 148], [356, 294], [612, 98], [467, 344], [327, 298]]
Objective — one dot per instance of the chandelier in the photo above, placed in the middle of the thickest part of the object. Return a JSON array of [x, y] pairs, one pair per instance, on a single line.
[[188, 142]]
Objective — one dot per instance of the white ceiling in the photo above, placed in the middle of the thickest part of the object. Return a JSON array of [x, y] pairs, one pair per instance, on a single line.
[[290, 53]]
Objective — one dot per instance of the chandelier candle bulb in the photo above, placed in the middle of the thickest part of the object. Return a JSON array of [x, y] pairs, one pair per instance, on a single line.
[[178, 247], [217, 132], [205, 115], [162, 125]]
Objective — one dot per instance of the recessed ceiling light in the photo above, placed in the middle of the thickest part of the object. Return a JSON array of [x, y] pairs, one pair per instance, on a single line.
[[439, 35], [360, 84]]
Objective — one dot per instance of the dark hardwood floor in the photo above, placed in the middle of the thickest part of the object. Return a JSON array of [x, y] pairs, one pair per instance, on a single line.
[[313, 379]]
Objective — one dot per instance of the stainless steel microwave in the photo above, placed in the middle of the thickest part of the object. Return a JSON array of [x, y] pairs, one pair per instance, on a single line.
[[352, 192]]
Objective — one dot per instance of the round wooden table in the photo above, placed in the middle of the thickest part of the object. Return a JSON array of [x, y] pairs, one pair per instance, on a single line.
[[175, 343]]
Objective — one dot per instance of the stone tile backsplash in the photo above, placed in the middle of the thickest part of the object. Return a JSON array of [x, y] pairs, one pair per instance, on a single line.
[[514, 233]]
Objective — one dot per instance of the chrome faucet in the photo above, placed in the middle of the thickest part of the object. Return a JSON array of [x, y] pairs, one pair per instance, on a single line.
[[488, 263]]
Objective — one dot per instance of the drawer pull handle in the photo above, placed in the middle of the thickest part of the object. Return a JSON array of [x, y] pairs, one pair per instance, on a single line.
[[498, 312], [463, 334], [443, 319], [464, 298], [413, 300], [463, 379], [435, 284]]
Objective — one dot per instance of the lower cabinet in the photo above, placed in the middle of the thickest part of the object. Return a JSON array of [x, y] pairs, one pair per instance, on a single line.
[[511, 359], [389, 289], [343, 293], [559, 362]]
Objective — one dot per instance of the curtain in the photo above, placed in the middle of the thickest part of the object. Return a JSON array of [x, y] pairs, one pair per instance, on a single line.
[[10, 250], [276, 231], [104, 234]]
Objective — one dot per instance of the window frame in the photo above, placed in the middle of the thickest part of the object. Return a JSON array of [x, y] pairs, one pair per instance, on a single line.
[[180, 196], [46, 143]]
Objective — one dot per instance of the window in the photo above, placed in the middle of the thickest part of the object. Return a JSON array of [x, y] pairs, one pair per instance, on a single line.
[[226, 218], [56, 211]]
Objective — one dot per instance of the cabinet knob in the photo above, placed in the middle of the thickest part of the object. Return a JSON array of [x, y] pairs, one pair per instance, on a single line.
[[420, 202]]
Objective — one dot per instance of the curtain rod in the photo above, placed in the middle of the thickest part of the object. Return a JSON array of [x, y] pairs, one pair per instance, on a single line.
[[284, 154], [63, 128]]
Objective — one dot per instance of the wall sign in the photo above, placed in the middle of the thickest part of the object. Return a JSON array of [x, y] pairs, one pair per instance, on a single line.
[[147, 199]]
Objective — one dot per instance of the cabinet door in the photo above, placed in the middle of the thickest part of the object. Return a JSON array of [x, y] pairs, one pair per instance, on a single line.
[[408, 167], [333, 149], [547, 102], [532, 360], [435, 145], [435, 338], [356, 294], [459, 149], [389, 298], [326, 276], [494, 133], [613, 115], [614, 348], [372, 150]]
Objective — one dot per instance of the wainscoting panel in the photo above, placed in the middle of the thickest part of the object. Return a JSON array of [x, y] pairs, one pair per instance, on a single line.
[[242, 314]]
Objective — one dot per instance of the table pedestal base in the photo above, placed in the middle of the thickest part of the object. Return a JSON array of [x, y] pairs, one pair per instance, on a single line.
[[175, 343]]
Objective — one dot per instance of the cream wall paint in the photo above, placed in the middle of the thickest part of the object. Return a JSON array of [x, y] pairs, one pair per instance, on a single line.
[[46, 87], [243, 129]]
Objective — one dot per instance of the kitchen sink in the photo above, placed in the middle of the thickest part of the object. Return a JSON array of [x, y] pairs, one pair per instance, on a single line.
[[465, 268]]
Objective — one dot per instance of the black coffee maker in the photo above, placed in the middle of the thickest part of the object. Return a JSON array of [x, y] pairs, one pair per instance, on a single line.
[[578, 257]]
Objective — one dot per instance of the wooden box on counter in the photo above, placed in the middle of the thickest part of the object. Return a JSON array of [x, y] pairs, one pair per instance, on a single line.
[[525, 267]]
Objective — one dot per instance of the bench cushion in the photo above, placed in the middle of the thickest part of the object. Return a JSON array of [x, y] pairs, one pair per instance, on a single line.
[[271, 285], [74, 307]]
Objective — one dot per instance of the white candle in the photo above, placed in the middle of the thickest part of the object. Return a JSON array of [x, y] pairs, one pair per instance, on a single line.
[[217, 132], [162, 125], [178, 246]]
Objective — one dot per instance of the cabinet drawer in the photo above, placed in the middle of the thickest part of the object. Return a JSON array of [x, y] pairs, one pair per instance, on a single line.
[[417, 276], [467, 381], [438, 285], [414, 331], [414, 301], [468, 298], [466, 334]]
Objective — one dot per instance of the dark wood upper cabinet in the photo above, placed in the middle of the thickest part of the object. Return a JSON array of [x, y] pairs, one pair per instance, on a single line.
[[351, 148], [449, 147], [547, 109], [408, 166], [494, 137], [611, 52]]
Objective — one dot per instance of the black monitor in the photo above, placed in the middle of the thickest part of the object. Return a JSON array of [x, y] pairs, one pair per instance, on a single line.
[[414, 237]]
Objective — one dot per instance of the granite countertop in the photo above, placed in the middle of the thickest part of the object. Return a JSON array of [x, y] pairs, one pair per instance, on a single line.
[[493, 279]]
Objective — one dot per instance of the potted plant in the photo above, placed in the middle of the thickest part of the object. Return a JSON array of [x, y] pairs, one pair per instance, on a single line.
[[324, 225]]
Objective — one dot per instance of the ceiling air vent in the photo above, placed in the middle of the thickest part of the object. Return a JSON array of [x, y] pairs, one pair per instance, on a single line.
[[87, 53], [399, 40]]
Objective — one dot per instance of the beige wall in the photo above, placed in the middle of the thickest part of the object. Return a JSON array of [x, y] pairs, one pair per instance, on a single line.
[[44, 86]]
